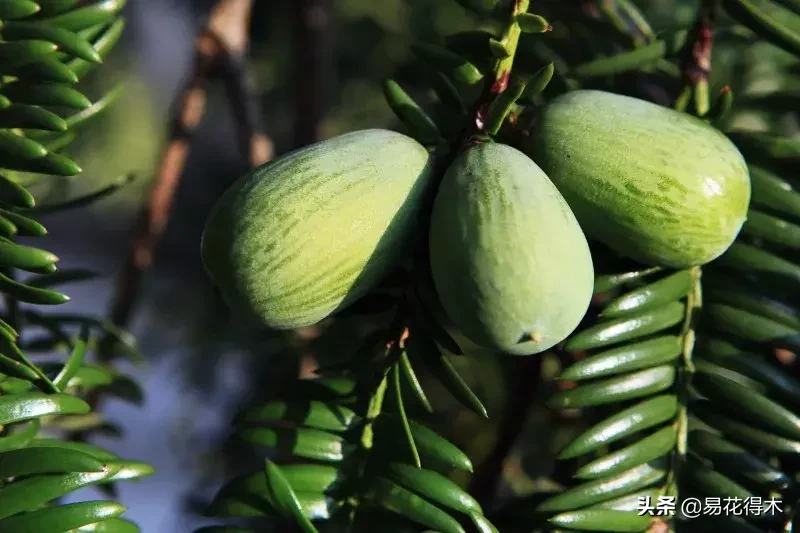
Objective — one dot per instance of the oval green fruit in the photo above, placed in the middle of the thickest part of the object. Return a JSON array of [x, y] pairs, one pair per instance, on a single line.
[[508, 259], [656, 185], [314, 230]]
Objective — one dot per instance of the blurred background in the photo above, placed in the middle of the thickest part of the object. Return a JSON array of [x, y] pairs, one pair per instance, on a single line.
[[314, 68]]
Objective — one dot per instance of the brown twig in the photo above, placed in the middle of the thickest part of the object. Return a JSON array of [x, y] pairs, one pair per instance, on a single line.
[[229, 23], [219, 48], [498, 83], [696, 60]]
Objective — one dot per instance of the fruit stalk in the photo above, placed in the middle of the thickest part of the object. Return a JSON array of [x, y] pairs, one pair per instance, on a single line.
[[498, 82], [474, 131]]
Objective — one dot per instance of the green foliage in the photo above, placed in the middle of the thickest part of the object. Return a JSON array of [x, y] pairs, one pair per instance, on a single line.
[[690, 366], [369, 461], [47, 48], [680, 374]]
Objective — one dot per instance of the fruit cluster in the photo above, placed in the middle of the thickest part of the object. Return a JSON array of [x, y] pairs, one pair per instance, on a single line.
[[312, 232]]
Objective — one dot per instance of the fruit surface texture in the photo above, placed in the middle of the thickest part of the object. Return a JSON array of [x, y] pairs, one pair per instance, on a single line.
[[509, 261], [659, 186], [314, 230]]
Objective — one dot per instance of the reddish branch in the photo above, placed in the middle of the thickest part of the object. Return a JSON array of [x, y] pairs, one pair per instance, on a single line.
[[498, 83], [696, 62], [220, 48]]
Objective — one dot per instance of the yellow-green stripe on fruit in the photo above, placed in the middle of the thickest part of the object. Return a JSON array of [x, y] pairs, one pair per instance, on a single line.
[[312, 231], [656, 185], [509, 261]]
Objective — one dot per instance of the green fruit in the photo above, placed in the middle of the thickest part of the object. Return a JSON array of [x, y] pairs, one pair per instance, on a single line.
[[509, 262], [311, 232], [656, 185]]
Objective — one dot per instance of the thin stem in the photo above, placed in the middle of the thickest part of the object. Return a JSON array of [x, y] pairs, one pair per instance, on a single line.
[[254, 144], [510, 40], [696, 60], [498, 82], [474, 130], [694, 302]]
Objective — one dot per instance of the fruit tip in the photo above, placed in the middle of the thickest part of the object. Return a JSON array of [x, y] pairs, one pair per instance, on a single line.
[[534, 336]]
